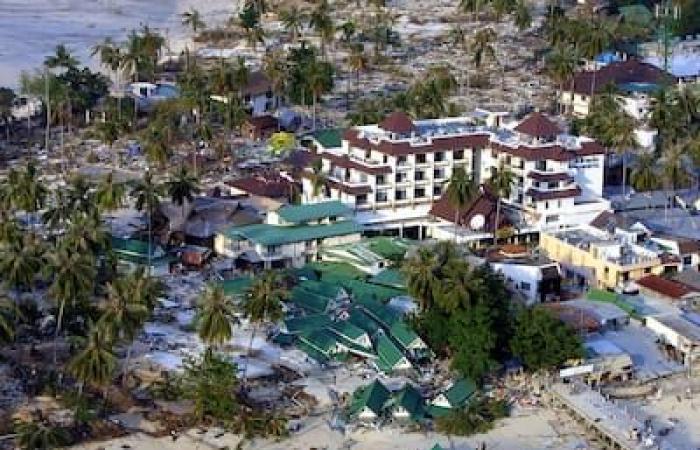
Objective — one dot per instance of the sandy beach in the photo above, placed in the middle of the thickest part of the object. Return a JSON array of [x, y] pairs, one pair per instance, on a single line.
[[29, 30], [528, 432]]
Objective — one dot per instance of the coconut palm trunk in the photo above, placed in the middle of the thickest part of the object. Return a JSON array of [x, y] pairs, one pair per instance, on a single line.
[[244, 383], [495, 225], [57, 331]]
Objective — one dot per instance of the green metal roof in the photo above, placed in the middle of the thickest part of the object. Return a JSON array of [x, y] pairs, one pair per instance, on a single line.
[[361, 319], [135, 249], [335, 272], [411, 400], [389, 248], [390, 277], [459, 393], [346, 329], [266, 234], [322, 340], [307, 324], [389, 354], [403, 334], [312, 352], [378, 311], [437, 447], [322, 288], [600, 295], [364, 291], [328, 138], [309, 301], [437, 411], [312, 211], [236, 287], [374, 397]]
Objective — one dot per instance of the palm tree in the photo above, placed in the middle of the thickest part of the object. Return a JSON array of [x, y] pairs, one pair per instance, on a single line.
[[644, 176], [263, 304], [40, 435], [59, 211], [622, 139], [112, 58], [21, 261], [61, 58], [461, 190], [148, 196], [215, 316], [320, 20], [74, 276], [522, 16], [293, 19], [109, 132], [86, 234], [157, 142], [501, 183], [483, 46], [319, 80], [561, 65], [674, 170], [599, 35], [32, 191], [421, 279], [181, 188], [124, 312], [458, 38], [95, 363], [110, 194], [358, 62], [193, 20], [9, 313], [276, 70], [80, 195], [318, 178]]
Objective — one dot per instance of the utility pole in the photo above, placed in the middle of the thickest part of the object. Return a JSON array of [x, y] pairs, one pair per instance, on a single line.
[[668, 16]]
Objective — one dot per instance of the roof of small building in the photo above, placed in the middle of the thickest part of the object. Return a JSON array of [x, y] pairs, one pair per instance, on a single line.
[[309, 301], [390, 277], [538, 125], [618, 73], [306, 324], [236, 286], [312, 211], [483, 204], [322, 340], [397, 122], [665, 287], [346, 329], [404, 334], [460, 392], [412, 401], [329, 137], [390, 356], [258, 84], [265, 122], [374, 397], [266, 234], [265, 185]]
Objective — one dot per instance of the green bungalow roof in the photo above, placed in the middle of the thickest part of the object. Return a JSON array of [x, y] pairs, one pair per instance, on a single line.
[[312, 352], [403, 334], [390, 277], [322, 340], [136, 250], [335, 272], [389, 248], [361, 319], [437, 411], [378, 311], [284, 339], [307, 324], [355, 348], [373, 397], [312, 211], [237, 286], [363, 290], [638, 14], [328, 138], [346, 329], [411, 400], [309, 301], [322, 288], [460, 392], [437, 447], [266, 234], [389, 354], [600, 295]]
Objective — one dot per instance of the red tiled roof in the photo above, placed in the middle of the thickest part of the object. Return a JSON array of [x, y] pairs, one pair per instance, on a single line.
[[590, 148], [553, 195], [630, 71], [667, 288], [484, 204], [346, 162], [686, 246], [538, 125], [603, 220], [258, 84], [550, 176], [262, 122], [272, 186], [342, 187], [397, 122]]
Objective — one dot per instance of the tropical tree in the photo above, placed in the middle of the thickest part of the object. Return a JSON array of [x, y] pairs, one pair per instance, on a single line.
[[599, 35], [148, 195], [263, 304], [522, 16], [211, 383], [7, 97], [215, 316], [124, 312], [461, 190], [62, 58], [483, 46], [644, 175], [280, 143], [181, 188], [501, 184], [110, 194], [9, 313], [95, 363], [21, 261], [622, 140], [358, 62], [40, 435], [321, 21], [561, 65], [421, 279], [674, 170], [320, 80], [318, 178], [193, 20], [59, 211], [542, 341], [74, 276], [293, 19]]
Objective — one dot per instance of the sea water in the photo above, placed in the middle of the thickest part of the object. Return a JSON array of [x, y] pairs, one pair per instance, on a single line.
[[31, 29]]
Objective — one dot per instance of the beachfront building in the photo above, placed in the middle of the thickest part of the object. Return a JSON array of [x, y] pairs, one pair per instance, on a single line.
[[680, 334], [634, 80], [391, 173], [603, 260], [291, 235], [133, 253], [258, 96]]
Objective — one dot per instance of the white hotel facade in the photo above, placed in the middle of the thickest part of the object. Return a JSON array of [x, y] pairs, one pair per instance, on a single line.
[[392, 173]]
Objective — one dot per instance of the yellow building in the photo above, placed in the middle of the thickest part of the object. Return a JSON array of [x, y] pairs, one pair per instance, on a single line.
[[602, 260]]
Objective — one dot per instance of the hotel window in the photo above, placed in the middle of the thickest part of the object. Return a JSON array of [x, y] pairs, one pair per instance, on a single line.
[[458, 154], [401, 160], [421, 159], [439, 156], [368, 154], [401, 195], [381, 196], [541, 165], [419, 193], [524, 286], [361, 199], [420, 175], [550, 219], [401, 177], [438, 173], [437, 190], [552, 185], [385, 159], [381, 180]]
